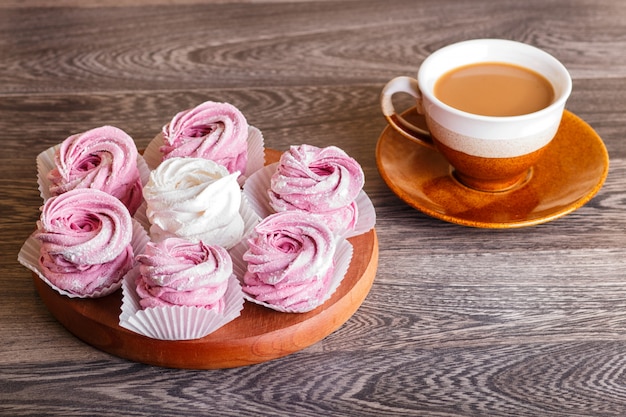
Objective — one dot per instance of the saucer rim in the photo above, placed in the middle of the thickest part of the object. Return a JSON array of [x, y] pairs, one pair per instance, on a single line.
[[558, 212]]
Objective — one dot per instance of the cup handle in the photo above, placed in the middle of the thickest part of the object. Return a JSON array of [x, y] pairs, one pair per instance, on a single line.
[[409, 86]]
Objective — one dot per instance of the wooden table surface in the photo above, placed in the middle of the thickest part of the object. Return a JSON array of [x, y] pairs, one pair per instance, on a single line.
[[459, 322]]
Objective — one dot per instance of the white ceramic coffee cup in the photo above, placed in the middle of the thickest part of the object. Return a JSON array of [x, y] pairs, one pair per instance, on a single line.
[[488, 153]]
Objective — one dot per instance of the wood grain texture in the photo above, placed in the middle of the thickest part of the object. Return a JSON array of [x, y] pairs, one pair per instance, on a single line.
[[459, 321]]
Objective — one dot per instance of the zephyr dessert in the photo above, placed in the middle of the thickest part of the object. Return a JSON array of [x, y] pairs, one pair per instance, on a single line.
[[179, 272], [215, 131], [322, 182], [196, 199], [212, 130], [84, 243], [104, 158], [180, 290], [292, 262]]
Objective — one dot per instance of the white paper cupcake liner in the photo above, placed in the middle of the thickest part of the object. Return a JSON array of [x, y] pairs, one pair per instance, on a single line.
[[342, 258], [176, 322], [29, 257], [247, 212], [256, 189], [45, 164], [256, 152]]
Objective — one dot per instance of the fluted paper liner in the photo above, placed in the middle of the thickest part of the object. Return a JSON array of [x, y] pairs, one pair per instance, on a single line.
[[256, 152], [176, 322], [256, 190], [45, 164], [29, 257], [342, 258]]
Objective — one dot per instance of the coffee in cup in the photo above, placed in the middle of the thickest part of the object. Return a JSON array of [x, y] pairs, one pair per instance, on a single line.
[[494, 89], [491, 107]]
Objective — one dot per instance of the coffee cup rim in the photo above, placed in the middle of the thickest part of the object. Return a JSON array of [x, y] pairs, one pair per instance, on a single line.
[[564, 76]]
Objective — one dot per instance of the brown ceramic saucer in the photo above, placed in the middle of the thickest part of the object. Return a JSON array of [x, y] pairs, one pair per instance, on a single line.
[[570, 173]]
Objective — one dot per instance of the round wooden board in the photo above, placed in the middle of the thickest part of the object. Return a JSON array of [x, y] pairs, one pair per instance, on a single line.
[[258, 335]]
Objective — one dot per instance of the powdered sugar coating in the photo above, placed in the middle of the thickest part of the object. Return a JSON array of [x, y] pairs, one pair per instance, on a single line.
[[196, 199], [323, 182], [85, 239], [179, 272], [290, 261], [104, 158], [211, 130]]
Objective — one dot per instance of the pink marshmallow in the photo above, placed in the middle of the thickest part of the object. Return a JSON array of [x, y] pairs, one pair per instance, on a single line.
[[322, 181], [104, 158], [215, 131], [176, 271], [290, 261], [85, 239]]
